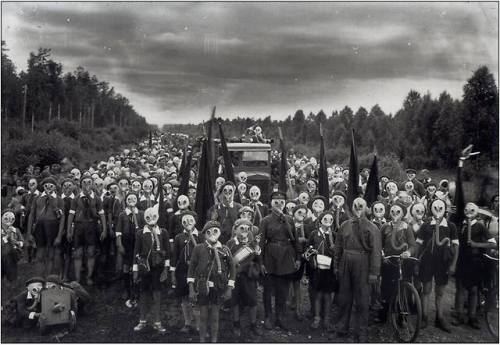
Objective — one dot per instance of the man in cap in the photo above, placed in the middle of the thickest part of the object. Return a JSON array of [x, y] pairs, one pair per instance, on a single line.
[[417, 185], [46, 225]]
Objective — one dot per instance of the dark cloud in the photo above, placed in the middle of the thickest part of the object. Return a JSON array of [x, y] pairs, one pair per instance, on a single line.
[[175, 60]]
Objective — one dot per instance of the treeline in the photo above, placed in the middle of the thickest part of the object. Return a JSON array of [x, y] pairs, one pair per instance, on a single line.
[[86, 114], [426, 132]]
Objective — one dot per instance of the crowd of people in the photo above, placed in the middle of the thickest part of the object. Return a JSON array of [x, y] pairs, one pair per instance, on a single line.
[[103, 224]]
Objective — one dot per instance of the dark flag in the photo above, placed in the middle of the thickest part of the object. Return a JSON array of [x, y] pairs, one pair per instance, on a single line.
[[458, 217], [204, 191], [150, 140], [162, 211], [323, 188], [282, 180], [352, 187], [211, 146], [228, 166], [184, 172], [372, 186]]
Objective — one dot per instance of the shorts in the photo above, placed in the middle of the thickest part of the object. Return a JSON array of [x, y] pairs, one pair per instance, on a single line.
[[245, 291], [128, 242], [432, 266], [214, 297], [181, 286], [9, 267], [46, 232], [85, 234], [151, 280]]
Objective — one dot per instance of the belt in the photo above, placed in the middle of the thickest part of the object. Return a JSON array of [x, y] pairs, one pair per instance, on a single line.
[[355, 251]]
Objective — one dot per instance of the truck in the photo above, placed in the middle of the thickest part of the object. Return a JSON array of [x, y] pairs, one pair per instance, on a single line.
[[255, 160]]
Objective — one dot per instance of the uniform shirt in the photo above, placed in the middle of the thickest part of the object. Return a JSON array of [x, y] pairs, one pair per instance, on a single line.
[[478, 233], [426, 235], [319, 240], [183, 249], [28, 198], [203, 263], [226, 216], [235, 245], [360, 235], [67, 199], [403, 235], [126, 225], [145, 244], [44, 207], [78, 208], [145, 202]]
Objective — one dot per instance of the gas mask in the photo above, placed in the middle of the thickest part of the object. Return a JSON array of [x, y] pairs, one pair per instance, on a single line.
[[228, 193], [94, 176], [258, 130], [345, 174], [311, 186], [219, 181], [471, 211], [378, 210], [131, 200], [188, 222], [32, 184], [241, 232], [278, 204], [338, 201], [418, 211], [405, 198], [49, 188], [34, 289], [438, 208], [8, 218], [313, 162], [318, 206], [289, 207], [87, 185], [111, 160], [147, 186], [99, 185], [247, 215], [67, 188], [254, 193], [391, 188], [384, 179], [242, 176], [212, 235], [51, 285], [151, 215], [396, 213], [409, 186], [358, 207], [113, 189], [182, 202], [136, 186], [410, 176], [76, 174], [123, 184], [327, 220], [300, 215], [431, 190], [304, 198], [110, 173], [242, 188]]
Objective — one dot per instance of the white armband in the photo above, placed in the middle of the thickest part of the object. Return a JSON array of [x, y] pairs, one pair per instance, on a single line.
[[135, 268], [170, 210], [455, 242], [230, 283], [419, 241], [101, 212], [72, 212], [172, 269], [492, 240], [31, 315], [190, 280], [167, 263], [171, 240], [118, 234]]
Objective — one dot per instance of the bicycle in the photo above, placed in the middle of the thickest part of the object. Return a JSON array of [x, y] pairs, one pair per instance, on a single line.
[[405, 308], [490, 300]]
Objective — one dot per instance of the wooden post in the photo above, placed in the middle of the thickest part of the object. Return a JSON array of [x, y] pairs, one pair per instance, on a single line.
[[32, 121], [25, 91], [50, 111], [59, 111]]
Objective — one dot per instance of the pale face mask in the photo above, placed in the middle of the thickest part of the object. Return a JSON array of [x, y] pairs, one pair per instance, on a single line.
[[87, 185], [327, 220], [300, 215], [67, 188], [242, 233], [242, 176], [311, 186], [304, 198], [151, 216], [358, 207], [318, 206], [76, 173], [418, 211], [338, 201], [49, 188], [254, 193], [111, 174], [247, 215], [391, 188], [136, 186], [32, 184], [396, 213], [182, 202], [471, 210], [242, 188], [131, 200], [289, 207], [147, 186], [8, 219], [379, 210], [188, 222], [123, 185], [228, 193], [431, 190], [212, 235], [219, 182], [409, 186], [438, 209], [278, 204], [34, 289]]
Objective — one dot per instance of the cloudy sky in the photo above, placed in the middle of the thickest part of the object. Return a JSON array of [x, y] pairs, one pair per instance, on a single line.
[[175, 60]]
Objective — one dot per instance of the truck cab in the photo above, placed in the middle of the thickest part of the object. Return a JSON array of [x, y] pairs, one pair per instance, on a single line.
[[255, 160]]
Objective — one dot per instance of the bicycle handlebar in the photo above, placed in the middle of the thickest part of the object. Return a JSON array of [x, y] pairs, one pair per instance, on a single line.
[[400, 257]]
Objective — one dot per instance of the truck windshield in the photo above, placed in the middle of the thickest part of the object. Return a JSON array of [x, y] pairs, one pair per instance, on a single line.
[[250, 158], [255, 156]]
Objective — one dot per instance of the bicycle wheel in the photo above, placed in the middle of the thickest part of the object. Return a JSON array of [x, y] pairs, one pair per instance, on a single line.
[[405, 312], [491, 312]]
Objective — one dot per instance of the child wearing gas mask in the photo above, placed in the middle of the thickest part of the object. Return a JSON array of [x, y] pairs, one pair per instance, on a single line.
[[184, 244], [211, 275], [12, 246], [397, 239], [299, 214], [129, 222], [151, 267], [323, 281], [247, 260]]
